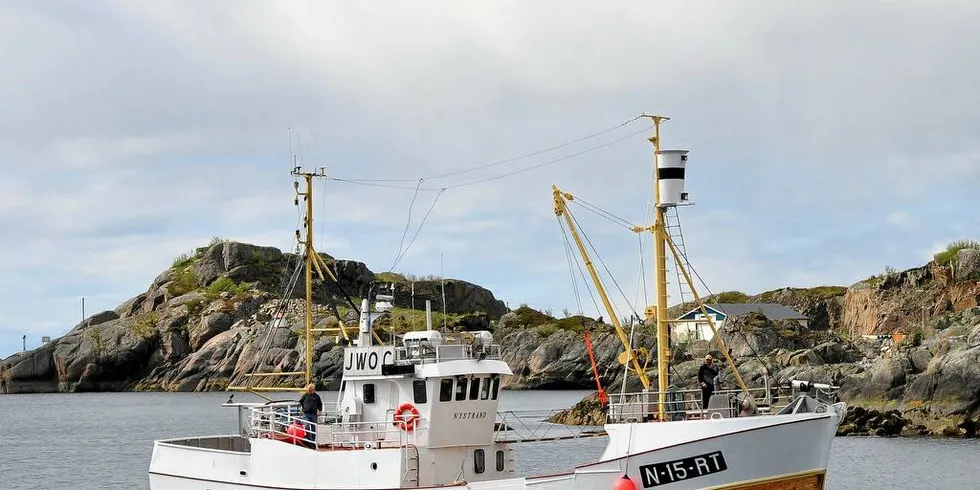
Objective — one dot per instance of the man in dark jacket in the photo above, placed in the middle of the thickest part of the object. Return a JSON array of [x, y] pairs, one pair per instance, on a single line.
[[706, 379], [311, 405]]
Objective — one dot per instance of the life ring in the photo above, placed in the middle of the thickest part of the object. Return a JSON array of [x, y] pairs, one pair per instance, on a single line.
[[406, 421]]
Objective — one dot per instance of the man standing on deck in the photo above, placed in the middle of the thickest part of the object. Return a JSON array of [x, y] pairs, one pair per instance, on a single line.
[[706, 379], [311, 405]]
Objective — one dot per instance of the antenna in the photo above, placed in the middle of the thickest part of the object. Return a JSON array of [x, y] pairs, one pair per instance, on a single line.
[[442, 281], [289, 157]]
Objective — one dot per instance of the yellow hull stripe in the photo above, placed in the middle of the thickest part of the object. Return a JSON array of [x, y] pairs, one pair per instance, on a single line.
[[804, 480]]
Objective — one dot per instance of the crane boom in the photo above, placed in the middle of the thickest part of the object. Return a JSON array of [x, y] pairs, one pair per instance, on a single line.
[[561, 209]]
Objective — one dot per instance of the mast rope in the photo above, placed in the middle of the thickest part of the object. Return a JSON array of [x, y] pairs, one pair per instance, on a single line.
[[571, 258], [599, 258], [402, 253], [575, 259], [507, 160], [736, 323], [642, 279], [602, 213], [408, 222], [491, 178]]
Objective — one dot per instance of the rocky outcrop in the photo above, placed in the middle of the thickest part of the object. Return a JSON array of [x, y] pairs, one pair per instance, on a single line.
[[903, 301], [859, 421], [208, 320], [823, 305], [461, 297], [559, 360], [215, 316]]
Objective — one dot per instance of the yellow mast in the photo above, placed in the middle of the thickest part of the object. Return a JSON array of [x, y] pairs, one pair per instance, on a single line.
[[658, 312], [308, 224]]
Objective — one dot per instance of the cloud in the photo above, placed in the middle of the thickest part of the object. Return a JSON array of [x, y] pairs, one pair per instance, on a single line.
[[134, 131], [899, 219]]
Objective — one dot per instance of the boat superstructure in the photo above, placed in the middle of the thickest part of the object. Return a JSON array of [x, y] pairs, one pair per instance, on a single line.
[[424, 411], [420, 413]]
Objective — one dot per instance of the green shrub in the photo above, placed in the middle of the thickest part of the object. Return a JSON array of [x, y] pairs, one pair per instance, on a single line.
[[216, 240], [946, 256], [529, 317], [225, 285], [917, 338], [390, 277], [731, 297], [194, 307], [182, 260], [145, 325], [547, 329], [184, 281], [826, 292]]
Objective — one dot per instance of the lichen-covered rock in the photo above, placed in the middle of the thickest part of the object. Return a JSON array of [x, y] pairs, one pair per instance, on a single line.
[[967, 265]]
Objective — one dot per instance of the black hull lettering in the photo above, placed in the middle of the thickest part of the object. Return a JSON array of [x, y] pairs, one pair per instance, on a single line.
[[668, 472]]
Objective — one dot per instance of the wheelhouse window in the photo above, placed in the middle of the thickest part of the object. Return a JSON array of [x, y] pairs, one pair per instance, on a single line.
[[460, 389], [479, 461], [446, 390], [485, 392], [368, 393], [500, 461], [495, 388], [418, 387], [474, 388]]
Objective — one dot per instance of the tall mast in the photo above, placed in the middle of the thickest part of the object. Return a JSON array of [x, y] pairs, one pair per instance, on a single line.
[[669, 165], [660, 266], [309, 254]]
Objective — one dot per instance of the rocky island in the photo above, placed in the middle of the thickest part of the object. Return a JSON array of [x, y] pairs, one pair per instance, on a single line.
[[903, 346]]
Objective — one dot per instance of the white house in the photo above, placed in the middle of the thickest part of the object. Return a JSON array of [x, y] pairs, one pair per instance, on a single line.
[[690, 328]]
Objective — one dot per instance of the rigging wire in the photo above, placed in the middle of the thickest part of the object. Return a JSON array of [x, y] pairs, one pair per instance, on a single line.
[[571, 270], [575, 258], [508, 160], [495, 177], [419, 229], [642, 279], [736, 323], [408, 223], [603, 213], [613, 278], [572, 257]]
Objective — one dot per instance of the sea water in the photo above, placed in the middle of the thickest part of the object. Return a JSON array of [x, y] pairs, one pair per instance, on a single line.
[[104, 440]]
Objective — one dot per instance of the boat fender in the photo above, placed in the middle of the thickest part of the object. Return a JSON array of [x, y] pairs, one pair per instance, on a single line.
[[624, 483], [295, 431], [406, 416]]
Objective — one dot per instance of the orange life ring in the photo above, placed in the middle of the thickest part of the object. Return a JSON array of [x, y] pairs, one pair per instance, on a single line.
[[406, 422]]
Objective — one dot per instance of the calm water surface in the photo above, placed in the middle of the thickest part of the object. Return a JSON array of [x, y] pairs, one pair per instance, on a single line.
[[104, 440]]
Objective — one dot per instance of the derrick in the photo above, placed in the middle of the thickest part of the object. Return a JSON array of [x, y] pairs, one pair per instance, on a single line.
[[562, 211]]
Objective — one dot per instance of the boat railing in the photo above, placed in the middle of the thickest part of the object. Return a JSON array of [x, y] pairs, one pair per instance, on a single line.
[[535, 426], [424, 353], [682, 405], [277, 421]]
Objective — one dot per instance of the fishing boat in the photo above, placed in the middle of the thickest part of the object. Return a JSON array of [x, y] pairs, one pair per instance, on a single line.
[[424, 413]]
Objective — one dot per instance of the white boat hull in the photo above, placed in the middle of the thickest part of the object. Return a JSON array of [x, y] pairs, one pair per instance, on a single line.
[[779, 451], [753, 452]]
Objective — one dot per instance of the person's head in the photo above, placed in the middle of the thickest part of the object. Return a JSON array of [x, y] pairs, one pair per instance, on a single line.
[[708, 360], [310, 388]]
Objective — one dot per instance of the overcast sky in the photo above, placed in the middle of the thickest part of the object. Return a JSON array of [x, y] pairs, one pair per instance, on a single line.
[[828, 139]]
